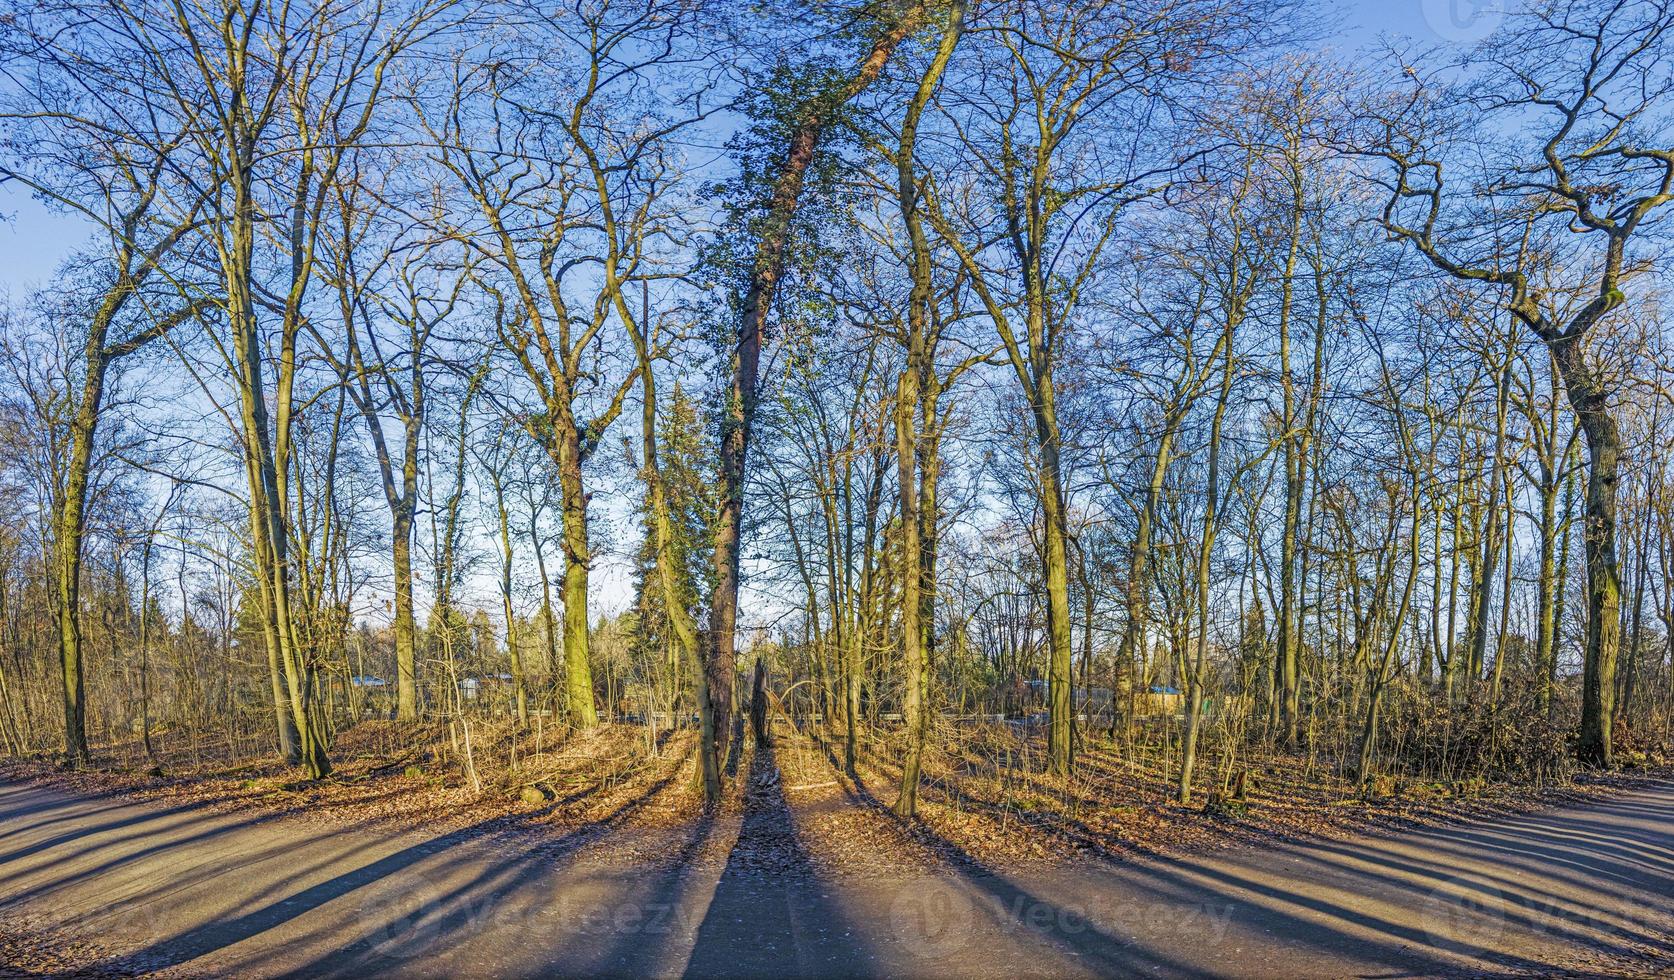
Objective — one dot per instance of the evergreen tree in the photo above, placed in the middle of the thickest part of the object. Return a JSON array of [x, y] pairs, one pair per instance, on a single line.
[[689, 478]]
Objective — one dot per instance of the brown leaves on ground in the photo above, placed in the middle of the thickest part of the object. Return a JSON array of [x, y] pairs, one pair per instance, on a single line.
[[986, 798], [416, 776], [49, 952]]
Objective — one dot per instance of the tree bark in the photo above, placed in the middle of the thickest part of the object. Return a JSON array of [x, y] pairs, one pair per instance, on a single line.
[[739, 413], [1604, 446], [578, 672], [914, 422], [69, 534], [1055, 561]]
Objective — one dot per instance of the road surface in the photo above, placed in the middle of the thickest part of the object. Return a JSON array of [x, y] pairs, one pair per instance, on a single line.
[[182, 891]]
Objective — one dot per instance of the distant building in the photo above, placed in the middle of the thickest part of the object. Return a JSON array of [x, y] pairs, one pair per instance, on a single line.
[[471, 687]]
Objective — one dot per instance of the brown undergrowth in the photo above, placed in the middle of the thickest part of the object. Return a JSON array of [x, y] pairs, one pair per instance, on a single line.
[[987, 797], [417, 775]]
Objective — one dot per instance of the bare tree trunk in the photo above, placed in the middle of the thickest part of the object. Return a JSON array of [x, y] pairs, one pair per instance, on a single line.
[[915, 694], [1055, 559], [1205, 552], [674, 602], [549, 627], [70, 510], [1296, 465], [68, 535], [578, 672], [1380, 678], [1604, 445], [1546, 593], [739, 413], [1139, 571], [406, 628], [1482, 596], [914, 425], [520, 698]]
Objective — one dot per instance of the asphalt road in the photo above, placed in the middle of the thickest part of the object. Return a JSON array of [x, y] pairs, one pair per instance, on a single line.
[[190, 892]]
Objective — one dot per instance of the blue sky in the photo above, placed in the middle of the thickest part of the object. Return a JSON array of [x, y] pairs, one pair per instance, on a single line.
[[34, 239]]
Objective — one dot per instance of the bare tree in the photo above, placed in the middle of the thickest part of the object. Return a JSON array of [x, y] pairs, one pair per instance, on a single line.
[[1581, 85]]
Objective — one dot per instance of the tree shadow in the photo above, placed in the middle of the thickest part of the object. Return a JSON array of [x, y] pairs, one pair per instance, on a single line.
[[23, 801], [770, 914], [371, 952], [1505, 895], [399, 931], [101, 832], [1412, 918], [1000, 904]]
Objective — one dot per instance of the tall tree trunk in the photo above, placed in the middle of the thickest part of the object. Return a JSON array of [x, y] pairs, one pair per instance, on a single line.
[[1296, 464], [674, 601], [739, 413], [1560, 596], [68, 536], [1641, 560], [915, 696], [549, 625], [1060, 745], [578, 671], [1482, 595], [1604, 446], [70, 512], [1205, 553], [1546, 592], [1139, 575], [520, 699], [1450, 666], [1501, 644], [1369, 730], [864, 617], [266, 438], [145, 648], [915, 425], [406, 628]]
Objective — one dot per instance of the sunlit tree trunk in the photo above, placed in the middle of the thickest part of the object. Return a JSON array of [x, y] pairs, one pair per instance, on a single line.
[[68, 537], [914, 432], [1589, 399], [514, 649], [1205, 552], [1482, 592], [755, 304]]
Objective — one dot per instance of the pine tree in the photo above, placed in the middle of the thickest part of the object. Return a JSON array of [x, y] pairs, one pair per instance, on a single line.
[[688, 476]]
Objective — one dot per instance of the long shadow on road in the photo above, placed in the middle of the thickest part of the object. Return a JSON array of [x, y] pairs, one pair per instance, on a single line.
[[770, 915], [1523, 894], [369, 953]]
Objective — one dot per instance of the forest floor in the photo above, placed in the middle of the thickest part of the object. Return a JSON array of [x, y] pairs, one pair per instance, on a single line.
[[401, 865], [986, 792]]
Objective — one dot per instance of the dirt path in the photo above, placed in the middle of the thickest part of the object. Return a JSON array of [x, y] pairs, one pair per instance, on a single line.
[[135, 888]]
